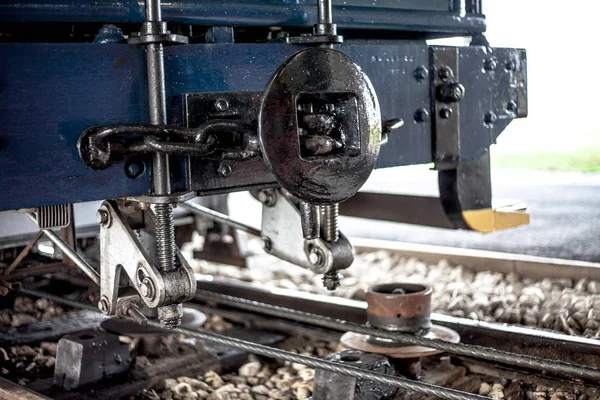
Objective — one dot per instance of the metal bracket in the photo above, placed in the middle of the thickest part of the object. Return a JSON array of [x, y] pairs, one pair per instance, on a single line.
[[446, 98], [282, 237], [128, 243]]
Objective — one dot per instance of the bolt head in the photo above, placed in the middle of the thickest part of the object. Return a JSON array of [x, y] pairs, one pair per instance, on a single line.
[[102, 217], [103, 305], [421, 73], [267, 244], [267, 197], [490, 117], [490, 64], [221, 105], [225, 170], [446, 113], [421, 115], [316, 256], [511, 65], [147, 289], [512, 106], [445, 73]]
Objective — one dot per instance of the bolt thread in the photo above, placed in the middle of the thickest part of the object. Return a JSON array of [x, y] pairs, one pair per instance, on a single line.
[[165, 237], [329, 222]]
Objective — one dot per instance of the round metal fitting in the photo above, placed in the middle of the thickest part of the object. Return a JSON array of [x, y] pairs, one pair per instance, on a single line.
[[320, 76], [221, 105], [316, 256], [103, 305], [403, 307], [446, 112], [490, 117], [399, 307], [421, 73], [147, 288], [489, 64], [445, 73], [421, 115], [267, 244], [267, 197], [102, 217], [225, 170]]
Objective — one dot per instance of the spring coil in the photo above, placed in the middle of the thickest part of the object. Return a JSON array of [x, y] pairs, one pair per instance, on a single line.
[[165, 237], [329, 222]]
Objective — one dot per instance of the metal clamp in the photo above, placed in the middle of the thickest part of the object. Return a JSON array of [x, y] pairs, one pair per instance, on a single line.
[[123, 250], [283, 238]]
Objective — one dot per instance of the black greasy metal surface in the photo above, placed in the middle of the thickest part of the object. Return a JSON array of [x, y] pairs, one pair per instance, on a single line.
[[319, 72]]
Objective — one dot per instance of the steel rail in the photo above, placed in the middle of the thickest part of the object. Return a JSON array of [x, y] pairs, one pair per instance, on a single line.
[[271, 352], [80, 262], [474, 351]]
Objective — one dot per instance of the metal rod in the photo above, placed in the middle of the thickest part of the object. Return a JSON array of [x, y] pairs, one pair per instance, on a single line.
[[310, 220], [217, 216], [481, 352], [325, 13], [24, 253], [72, 254], [266, 351]]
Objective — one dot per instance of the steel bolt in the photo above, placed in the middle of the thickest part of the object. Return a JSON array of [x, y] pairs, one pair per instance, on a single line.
[[512, 106], [511, 65], [267, 244], [147, 288], [103, 305], [421, 73], [445, 73], [446, 112], [490, 64], [267, 197], [316, 256], [102, 217], [225, 170], [330, 107], [221, 105], [490, 117], [421, 115]]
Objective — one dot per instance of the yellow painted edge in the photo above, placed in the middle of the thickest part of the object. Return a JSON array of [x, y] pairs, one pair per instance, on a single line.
[[490, 220]]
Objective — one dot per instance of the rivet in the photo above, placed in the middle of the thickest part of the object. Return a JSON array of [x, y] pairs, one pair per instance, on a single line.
[[445, 73], [490, 117], [421, 115], [421, 73], [446, 112], [221, 105]]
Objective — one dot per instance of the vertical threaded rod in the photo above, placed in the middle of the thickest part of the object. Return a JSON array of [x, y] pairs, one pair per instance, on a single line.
[[330, 233], [329, 222], [165, 237]]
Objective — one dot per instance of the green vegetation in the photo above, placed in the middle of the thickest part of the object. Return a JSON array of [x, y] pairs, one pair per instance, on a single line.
[[584, 160]]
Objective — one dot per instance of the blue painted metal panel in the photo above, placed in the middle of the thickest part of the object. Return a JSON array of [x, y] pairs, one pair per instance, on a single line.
[[49, 95], [431, 16]]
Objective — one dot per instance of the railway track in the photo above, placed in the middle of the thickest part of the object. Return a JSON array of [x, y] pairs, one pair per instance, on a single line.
[[498, 352]]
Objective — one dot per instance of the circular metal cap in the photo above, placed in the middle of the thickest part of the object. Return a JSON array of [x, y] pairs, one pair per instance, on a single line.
[[327, 91], [370, 344]]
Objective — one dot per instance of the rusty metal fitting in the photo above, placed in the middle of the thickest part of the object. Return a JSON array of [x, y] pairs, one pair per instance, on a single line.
[[401, 307]]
